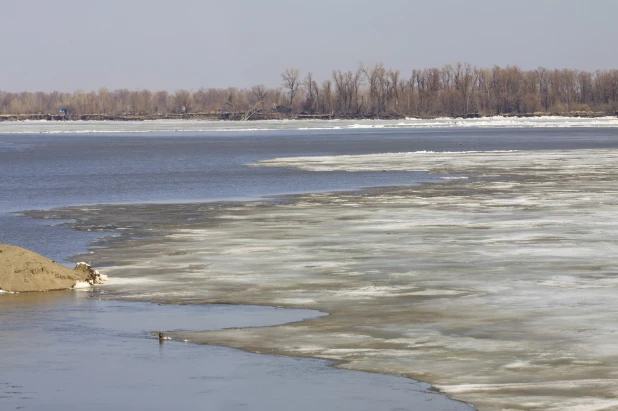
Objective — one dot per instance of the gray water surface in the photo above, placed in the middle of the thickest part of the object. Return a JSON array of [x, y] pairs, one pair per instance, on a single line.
[[64, 351], [42, 171]]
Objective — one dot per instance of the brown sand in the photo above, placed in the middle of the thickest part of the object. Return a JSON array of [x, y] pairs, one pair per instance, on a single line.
[[24, 270]]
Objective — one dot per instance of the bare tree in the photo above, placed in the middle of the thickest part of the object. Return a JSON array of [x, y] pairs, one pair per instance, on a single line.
[[317, 95], [327, 97], [230, 104], [161, 102], [258, 94], [451, 90], [183, 101], [311, 92], [291, 81]]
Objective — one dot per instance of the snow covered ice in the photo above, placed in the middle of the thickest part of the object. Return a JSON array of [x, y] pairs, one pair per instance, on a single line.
[[81, 127]]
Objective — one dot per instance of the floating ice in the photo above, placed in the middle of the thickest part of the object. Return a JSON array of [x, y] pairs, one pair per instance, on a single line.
[[500, 289], [82, 285]]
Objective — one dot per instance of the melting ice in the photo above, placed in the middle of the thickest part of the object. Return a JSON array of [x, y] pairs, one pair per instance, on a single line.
[[500, 289]]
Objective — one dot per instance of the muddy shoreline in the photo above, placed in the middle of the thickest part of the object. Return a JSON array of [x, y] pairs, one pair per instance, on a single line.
[[240, 116]]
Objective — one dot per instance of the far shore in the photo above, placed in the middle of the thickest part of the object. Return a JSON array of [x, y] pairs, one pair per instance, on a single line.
[[275, 115]]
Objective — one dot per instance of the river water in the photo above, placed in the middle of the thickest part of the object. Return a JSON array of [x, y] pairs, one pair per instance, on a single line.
[[169, 191]]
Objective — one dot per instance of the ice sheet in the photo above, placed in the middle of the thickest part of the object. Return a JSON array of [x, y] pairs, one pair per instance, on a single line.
[[500, 289], [42, 126]]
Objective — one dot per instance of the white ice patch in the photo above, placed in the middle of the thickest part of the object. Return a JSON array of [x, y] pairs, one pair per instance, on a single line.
[[436, 292], [296, 301], [134, 281], [375, 291], [80, 285], [559, 385]]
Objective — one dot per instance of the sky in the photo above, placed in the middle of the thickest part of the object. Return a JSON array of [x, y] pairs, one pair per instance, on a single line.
[[188, 44]]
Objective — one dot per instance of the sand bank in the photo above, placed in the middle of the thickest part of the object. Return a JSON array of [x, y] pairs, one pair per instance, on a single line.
[[23, 270]]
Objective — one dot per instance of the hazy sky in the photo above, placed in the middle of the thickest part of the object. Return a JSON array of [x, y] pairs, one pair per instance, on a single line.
[[70, 44]]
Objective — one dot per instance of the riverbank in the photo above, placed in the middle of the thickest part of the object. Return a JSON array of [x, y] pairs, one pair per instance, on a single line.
[[301, 126], [274, 115], [218, 116]]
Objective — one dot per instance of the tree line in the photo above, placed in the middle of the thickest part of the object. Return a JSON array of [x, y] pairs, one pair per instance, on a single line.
[[367, 92]]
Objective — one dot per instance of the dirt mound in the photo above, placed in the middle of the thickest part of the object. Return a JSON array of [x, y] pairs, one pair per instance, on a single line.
[[24, 270]]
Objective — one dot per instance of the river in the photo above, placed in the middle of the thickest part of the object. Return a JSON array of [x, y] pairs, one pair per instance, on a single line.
[[121, 197]]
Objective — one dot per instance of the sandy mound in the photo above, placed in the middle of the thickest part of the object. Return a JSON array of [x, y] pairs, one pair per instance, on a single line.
[[24, 270]]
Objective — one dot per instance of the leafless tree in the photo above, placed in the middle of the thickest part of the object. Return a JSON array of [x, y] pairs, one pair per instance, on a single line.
[[311, 92], [183, 102], [454, 90], [259, 93], [291, 81]]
